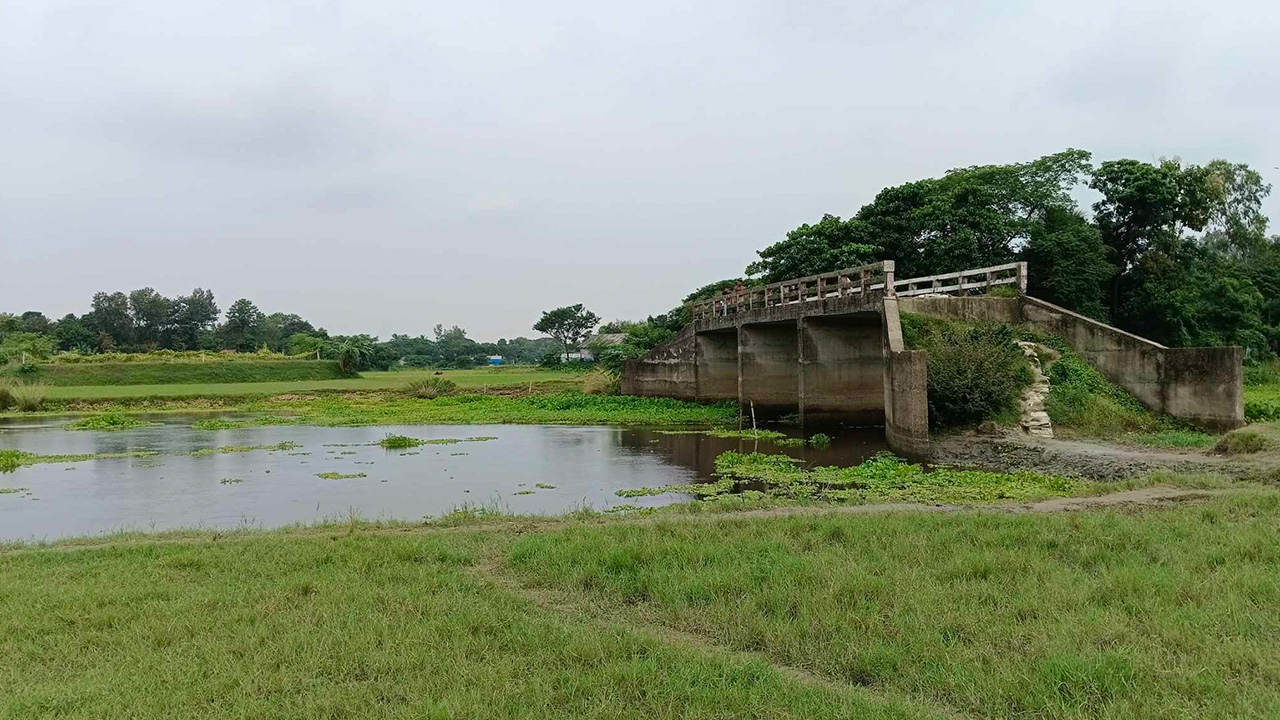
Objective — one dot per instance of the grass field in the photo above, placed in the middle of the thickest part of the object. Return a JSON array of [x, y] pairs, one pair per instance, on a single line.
[[1153, 613], [213, 372], [466, 379]]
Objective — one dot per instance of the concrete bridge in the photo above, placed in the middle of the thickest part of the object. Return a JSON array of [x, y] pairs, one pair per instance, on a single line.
[[829, 347]]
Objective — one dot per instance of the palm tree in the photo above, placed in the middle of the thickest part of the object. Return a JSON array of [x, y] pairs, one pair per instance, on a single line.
[[353, 352]]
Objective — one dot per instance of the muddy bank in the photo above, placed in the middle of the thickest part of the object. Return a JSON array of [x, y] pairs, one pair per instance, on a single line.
[[1093, 461]]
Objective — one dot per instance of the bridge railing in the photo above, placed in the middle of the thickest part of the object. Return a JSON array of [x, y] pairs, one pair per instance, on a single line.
[[965, 281], [865, 281], [850, 282]]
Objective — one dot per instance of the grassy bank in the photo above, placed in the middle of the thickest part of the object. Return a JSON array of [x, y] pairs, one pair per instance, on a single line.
[[466, 379], [133, 374], [1102, 614]]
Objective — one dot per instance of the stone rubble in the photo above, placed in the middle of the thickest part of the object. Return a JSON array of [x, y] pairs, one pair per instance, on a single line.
[[1035, 421]]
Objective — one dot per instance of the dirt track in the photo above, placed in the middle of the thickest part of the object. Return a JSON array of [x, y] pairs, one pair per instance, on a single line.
[[1093, 461]]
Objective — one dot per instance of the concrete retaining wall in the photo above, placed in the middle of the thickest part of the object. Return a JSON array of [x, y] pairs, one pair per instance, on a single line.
[[669, 370], [1204, 385]]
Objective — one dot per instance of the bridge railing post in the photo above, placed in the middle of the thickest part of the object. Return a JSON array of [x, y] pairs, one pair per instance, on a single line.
[[887, 269]]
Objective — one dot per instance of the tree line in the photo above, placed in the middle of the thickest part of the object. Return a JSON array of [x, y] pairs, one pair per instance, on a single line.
[[145, 321]]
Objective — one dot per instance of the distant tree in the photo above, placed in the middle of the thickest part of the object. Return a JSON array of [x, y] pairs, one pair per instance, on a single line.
[[305, 344], [71, 334], [831, 244], [1068, 263], [110, 316], [36, 322], [353, 352], [191, 315], [31, 346], [150, 312], [567, 324], [243, 325]]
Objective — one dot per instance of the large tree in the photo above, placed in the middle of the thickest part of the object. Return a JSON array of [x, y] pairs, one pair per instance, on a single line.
[[243, 326], [567, 324], [151, 314], [111, 318], [193, 314]]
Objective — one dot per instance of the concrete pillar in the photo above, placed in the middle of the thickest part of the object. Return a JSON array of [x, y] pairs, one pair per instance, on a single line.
[[717, 365], [769, 368], [842, 369]]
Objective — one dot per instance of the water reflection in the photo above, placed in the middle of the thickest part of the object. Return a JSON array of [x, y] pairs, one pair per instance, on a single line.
[[527, 469]]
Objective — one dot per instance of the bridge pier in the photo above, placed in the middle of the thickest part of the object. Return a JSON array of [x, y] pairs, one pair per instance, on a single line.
[[769, 368], [842, 368], [716, 356]]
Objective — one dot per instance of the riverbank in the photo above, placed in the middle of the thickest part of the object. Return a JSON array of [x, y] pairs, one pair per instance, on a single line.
[[1138, 610]]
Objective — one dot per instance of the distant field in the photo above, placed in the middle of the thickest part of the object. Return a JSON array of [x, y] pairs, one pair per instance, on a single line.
[[184, 373], [466, 379]]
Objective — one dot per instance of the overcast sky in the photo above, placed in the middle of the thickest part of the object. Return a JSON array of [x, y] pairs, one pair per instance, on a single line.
[[383, 166]]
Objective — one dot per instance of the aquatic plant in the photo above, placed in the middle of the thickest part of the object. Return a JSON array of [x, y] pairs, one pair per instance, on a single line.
[[339, 476], [393, 442], [27, 397], [883, 478], [820, 440], [108, 422], [202, 452]]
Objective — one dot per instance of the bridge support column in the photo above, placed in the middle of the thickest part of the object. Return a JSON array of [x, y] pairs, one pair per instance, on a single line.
[[717, 365], [842, 369], [769, 368]]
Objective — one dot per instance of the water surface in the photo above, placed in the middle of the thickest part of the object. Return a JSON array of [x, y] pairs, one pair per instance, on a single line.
[[586, 466]]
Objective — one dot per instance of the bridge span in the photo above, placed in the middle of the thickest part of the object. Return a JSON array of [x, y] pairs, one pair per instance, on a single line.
[[829, 347]]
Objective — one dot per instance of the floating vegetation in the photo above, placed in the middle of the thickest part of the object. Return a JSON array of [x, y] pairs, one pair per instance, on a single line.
[[406, 454], [109, 422], [883, 478], [11, 490], [11, 460], [294, 454], [396, 442], [339, 476], [780, 439], [457, 454], [544, 486], [820, 440], [225, 449], [231, 481], [347, 452], [523, 492], [223, 424]]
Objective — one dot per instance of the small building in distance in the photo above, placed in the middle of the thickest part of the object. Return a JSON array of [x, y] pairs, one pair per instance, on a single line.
[[495, 360], [584, 352]]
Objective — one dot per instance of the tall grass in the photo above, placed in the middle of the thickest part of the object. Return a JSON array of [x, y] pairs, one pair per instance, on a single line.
[[430, 388], [27, 397], [601, 382]]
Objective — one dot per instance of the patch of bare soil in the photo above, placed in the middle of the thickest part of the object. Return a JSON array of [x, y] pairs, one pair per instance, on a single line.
[[1094, 461]]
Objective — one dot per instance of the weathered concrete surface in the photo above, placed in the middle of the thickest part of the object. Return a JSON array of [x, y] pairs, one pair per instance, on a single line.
[[1002, 310], [906, 402], [1204, 385], [669, 370], [769, 368], [842, 368], [906, 384], [717, 365]]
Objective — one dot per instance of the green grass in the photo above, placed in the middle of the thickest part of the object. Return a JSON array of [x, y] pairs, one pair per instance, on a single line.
[[1098, 615], [1101, 614], [346, 627], [212, 372], [1174, 439], [466, 379]]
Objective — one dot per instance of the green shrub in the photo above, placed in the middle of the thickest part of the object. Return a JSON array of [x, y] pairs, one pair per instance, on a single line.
[[819, 440], [976, 371], [430, 388], [6, 394], [108, 422], [396, 442], [138, 372]]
